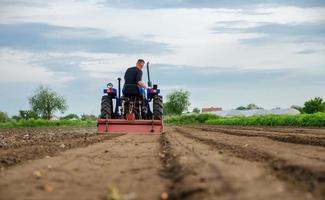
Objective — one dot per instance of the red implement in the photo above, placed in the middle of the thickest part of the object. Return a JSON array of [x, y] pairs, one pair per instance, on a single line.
[[129, 126]]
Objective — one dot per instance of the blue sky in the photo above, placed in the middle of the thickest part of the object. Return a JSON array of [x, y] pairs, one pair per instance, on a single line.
[[226, 53]]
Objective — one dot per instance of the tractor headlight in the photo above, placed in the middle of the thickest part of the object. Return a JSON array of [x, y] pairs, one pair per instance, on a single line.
[[110, 85]]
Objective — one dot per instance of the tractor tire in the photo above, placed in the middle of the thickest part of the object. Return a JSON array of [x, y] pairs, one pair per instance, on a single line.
[[106, 108], [158, 105], [137, 111]]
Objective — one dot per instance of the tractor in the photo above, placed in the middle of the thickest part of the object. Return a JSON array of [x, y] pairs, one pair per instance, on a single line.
[[140, 114]]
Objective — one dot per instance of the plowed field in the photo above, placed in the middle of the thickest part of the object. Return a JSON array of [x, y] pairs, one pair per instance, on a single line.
[[185, 162]]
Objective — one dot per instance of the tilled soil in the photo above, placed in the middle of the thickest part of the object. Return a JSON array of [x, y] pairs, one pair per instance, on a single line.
[[185, 162], [18, 145]]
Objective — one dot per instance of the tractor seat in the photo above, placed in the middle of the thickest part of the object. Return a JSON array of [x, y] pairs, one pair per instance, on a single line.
[[132, 98], [133, 91]]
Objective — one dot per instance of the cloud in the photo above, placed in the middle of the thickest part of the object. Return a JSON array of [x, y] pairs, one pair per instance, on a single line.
[[83, 44], [83, 65], [173, 4], [29, 3], [293, 33], [17, 67], [271, 32], [43, 37], [200, 76], [149, 4], [307, 51], [228, 88]]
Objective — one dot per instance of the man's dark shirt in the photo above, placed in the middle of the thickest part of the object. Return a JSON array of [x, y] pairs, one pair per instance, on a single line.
[[132, 76]]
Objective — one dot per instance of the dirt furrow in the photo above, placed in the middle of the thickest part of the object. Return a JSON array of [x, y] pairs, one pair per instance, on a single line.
[[184, 163], [282, 130], [310, 178], [191, 181], [125, 167], [287, 138], [209, 173], [28, 144]]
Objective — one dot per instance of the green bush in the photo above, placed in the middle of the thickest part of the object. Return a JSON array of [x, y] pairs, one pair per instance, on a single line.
[[190, 119], [27, 114], [177, 102], [47, 123], [70, 116], [317, 119], [85, 117], [314, 105], [3, 117]]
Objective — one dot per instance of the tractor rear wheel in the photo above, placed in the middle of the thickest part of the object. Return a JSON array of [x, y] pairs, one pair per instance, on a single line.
[[158, 107], [107, 107]]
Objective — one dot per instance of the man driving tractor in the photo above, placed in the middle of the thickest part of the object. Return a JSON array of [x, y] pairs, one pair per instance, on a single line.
[[139, 110], [134, 85]]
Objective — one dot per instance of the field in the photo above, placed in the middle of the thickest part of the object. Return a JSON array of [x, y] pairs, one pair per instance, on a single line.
[[186, 162], [47, 123], [308, 120]]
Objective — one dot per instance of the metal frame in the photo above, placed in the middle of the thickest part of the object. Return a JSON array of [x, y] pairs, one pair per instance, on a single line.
[[130, 127]]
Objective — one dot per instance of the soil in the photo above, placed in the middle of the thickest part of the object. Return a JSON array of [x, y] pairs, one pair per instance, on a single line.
[[185, 162], [18, 145]]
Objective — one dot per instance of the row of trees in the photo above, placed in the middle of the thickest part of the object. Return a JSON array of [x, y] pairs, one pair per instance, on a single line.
[[178, 102], [25, 115], [311, 106], [44, 103]]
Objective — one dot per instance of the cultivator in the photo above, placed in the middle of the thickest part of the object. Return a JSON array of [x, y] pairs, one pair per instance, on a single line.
[[130, 127], [131, 114]]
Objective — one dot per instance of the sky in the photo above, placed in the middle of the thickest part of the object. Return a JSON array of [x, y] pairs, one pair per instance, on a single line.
[[226, 53]]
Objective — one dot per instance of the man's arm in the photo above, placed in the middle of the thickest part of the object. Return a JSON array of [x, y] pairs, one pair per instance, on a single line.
[[140, 81], [142, 84]]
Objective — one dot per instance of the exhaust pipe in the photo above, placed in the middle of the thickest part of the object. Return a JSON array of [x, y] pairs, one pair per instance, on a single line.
[[148, 72], [119, 87]]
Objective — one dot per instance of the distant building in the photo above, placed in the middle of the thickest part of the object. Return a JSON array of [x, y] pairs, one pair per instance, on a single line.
[[211, 109], [288, 111]]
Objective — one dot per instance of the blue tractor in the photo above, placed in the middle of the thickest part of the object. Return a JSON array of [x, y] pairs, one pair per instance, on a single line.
[[131, 113]]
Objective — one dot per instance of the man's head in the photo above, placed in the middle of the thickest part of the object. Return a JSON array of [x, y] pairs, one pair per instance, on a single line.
[[140, 64]]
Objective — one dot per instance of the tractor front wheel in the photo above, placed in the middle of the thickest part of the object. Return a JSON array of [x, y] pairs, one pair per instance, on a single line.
[[158, 107]]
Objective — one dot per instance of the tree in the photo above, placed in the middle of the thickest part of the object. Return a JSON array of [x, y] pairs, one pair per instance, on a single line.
[[177, 102], [16, 117], [4, 117], [70, 116], [252, 106], [241, 108], [167, 109], [46, 102], [314, 105], [27, 114], [196, 110], [299, 108]]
